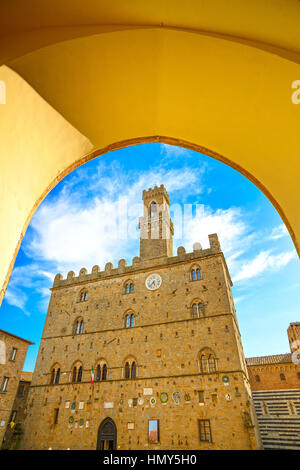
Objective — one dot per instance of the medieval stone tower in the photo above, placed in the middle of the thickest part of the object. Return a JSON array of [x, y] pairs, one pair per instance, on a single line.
[[146, 356], [293, 332], [156, 226]]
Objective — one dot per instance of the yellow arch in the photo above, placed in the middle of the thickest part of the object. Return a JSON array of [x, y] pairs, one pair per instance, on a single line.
[[176, 74]]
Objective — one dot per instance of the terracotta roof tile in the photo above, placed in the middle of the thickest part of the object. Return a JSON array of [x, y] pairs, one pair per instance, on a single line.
[[262, 360]]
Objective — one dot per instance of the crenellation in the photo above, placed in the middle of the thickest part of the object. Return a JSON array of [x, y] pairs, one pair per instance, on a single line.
[[95, 269], [108, 268], [82, 272], [122, 266], [156, 191], [214, 242], [70, 275], [137, 264]]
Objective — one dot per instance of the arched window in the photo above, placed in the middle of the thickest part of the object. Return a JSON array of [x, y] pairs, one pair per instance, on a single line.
[[78, 326], [98, 373], [196, 274], [129, 320], [257, 378], [207, 361], [104, 372], [127, 370], [57, 376], [74, 375], [79, 377], [52, 376], [282, 377], [83, 295], [130, 368], [153, 208], [128, 287], [198, 310]]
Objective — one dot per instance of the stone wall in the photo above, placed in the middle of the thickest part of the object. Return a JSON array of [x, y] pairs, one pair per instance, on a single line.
[[166, 344], [12, 369]]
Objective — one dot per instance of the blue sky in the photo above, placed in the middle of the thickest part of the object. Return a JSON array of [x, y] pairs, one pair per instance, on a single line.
[[81, 223]]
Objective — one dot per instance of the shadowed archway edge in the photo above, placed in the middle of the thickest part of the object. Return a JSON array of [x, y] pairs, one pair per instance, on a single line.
[[144, 140]]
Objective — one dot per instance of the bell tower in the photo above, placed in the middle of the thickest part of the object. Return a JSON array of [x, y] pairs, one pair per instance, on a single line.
[[293, 332], [156, 227]]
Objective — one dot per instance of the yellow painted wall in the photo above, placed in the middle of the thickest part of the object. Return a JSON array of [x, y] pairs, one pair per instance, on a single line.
[[229, 96]]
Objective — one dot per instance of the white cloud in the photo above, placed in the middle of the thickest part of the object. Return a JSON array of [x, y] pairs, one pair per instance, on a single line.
[[240, 299], [264, 261], [24, 282], [73, 233], [227, 223], [172, 151], [17, 298], [279, 232]]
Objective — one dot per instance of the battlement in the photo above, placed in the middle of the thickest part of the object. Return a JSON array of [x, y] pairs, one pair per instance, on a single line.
[[138, 264], [156, 192]]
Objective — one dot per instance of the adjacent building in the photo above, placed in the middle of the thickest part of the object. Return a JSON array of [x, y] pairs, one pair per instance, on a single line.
[[145, 356], [14, 427], [13, 350], [275, 384]]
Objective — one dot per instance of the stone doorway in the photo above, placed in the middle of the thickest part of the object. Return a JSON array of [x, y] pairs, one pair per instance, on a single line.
[[107, 435]]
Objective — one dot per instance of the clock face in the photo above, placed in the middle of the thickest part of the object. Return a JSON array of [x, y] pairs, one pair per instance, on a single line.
[[153, 281]]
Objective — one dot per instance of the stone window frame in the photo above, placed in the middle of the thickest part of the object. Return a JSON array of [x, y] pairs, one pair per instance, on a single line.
[[205, 358], [78, 326], [198, 302], [132, 366], [13, 354], [102, 364], [150, 213], [128, 319], [83, 295], [3, 388], [55, 372], [75, 369], [128, 286], [198, 273]]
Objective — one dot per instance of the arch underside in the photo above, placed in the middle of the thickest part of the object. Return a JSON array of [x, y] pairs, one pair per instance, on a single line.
[[73, 95]]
